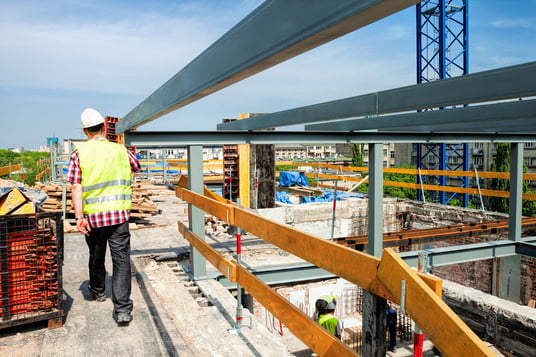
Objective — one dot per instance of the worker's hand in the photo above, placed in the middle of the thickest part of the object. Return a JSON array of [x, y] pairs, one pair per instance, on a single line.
[[83, 226]]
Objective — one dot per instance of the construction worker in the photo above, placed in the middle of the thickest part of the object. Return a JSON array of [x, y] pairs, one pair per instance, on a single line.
[[391, 321], [100, 173], [325, 307]]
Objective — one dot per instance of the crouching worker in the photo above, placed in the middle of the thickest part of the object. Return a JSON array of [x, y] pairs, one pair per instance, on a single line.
[[325, 307]]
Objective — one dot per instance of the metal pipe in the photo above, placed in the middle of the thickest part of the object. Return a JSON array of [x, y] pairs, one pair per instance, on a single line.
[[479, 192], [334, 209], [238, 325]]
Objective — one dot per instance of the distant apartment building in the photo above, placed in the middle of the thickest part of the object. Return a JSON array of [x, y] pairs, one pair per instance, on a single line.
[[388, 155], [290, 152], [321, 151]]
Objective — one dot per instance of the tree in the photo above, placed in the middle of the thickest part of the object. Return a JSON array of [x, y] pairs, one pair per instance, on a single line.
[[401, 192], [502, 164], [29, 162], [357, 155]]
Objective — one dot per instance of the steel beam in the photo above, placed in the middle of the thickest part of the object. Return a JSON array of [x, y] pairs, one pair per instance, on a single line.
[[515, 201], [284, 274], [467, 253], [490, 114], [274, 32], [274, 275], [375, 200], [526, 249], [504, 83], [504, 127], [170, 139], [196, 217]]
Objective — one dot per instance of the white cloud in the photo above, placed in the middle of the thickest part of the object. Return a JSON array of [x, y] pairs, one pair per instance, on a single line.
[[132, 55], [514, 23]]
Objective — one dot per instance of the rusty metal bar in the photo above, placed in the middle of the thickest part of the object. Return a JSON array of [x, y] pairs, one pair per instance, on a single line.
[[424, 235]]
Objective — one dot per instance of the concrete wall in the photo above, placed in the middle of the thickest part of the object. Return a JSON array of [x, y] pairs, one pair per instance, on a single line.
[[351, 217], [507, 325]]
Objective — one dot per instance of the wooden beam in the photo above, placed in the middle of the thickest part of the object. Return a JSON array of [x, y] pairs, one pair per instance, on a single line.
[[220, 210], [327, 255], [6, 169], [183, 183], [442, 326], [451, 173], [330, 256]]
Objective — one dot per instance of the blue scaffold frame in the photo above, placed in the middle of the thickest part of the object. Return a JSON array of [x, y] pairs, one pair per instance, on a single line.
[[442, 52]]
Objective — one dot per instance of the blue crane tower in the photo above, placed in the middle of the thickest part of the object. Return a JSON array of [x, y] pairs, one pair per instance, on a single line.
[[442, 52]]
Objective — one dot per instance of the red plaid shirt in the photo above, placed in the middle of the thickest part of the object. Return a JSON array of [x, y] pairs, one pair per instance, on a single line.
[[107, 218]]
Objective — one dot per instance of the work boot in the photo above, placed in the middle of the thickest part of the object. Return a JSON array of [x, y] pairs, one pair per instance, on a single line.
[[99, 297], [124, 318]]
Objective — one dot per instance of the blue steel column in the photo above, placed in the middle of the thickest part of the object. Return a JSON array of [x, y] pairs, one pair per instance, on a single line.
[[196, 215], [444, 32]]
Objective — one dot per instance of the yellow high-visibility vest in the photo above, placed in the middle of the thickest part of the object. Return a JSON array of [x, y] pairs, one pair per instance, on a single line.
[[106, 176]]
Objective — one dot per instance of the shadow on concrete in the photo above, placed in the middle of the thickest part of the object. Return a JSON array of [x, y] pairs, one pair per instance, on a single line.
[[159, 325], [67, 304]]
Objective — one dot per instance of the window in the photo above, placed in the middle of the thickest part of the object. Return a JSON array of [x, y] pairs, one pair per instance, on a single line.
[[528, 161], [392, 154], [529, 145], [478, 145], [365, 153]]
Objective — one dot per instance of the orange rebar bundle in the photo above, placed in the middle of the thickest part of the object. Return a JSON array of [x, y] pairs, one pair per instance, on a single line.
[[31, 276]]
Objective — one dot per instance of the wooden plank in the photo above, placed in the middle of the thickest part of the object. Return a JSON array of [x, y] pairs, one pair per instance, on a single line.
[[442, 326], [485, 192], [225, 266], [213, 207], [183, 183], [450, 173], [330, 256], [5, 170], [243, 173], [327, 255]]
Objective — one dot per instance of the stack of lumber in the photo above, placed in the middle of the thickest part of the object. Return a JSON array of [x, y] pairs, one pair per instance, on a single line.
[[55, 193], [142, 205]]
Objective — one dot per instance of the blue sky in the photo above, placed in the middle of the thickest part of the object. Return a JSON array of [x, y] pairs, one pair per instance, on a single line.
[[59, 57]]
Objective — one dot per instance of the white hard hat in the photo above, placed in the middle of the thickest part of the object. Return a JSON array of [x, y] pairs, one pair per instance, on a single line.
[[90, 117]]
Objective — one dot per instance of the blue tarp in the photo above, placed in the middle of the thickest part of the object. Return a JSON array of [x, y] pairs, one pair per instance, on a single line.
[[292, 178], [328, 196], [282, 197]]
